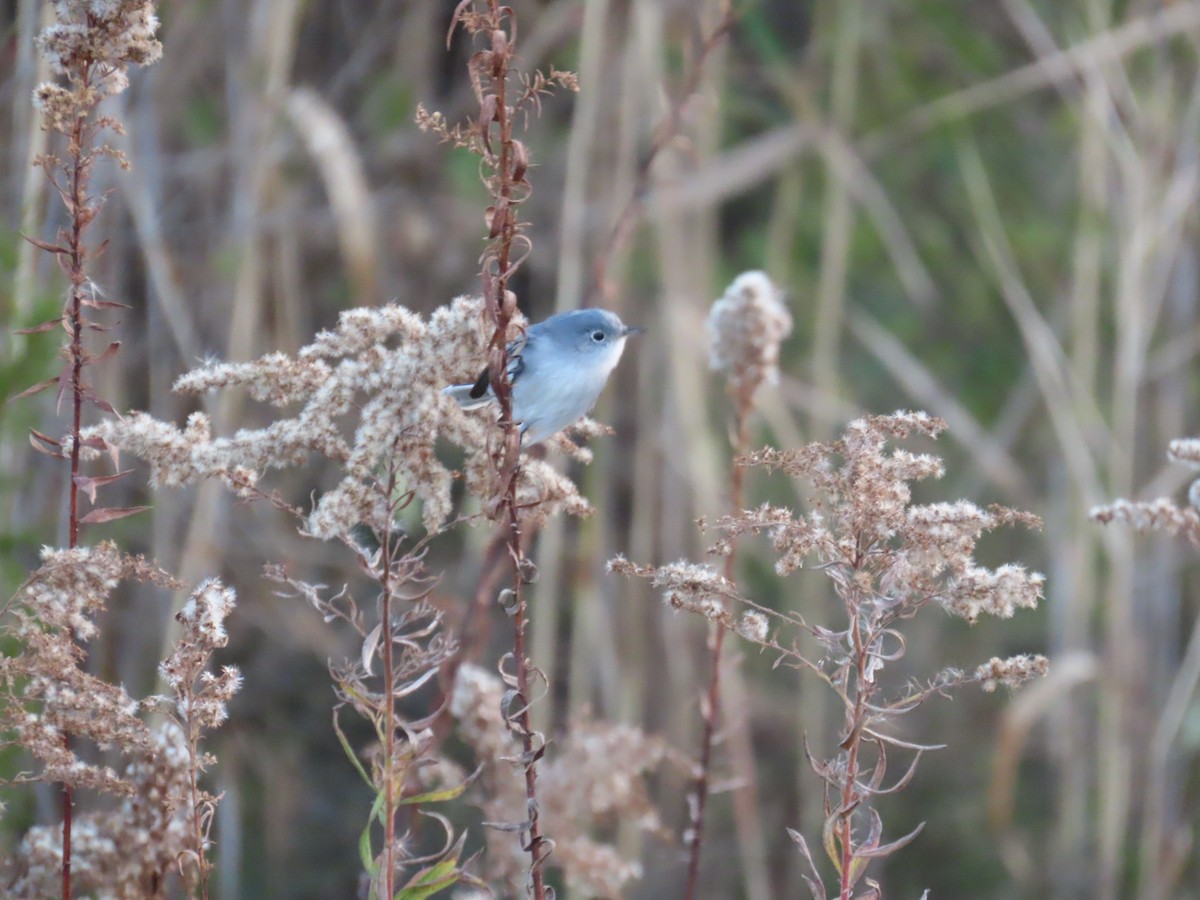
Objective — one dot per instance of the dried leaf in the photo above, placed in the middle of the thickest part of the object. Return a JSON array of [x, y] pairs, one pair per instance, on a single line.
[[35, 389], [907, 777], [64, 380], [110, 514], [454, 19], [97, 401], [815, 886], [880, 767], [890, 848], [48, 325], [369, 644], [89, 483], [511, 827], [35, 437], [110, 350], [828, 838], [896, 742], [874, 835], [412, 687], [520, 161], [45, 438], [42, 245], [442, 795], [105, 304]]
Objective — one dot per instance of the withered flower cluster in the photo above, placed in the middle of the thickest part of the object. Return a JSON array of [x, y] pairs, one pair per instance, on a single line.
[[594, 780], [887, 559], [1162, 514], [91, 44], [745, 328], [47, 696], [383, 369]]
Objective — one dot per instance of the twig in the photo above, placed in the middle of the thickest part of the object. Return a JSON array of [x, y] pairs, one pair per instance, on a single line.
[[712, 707], [77, 204], [664, 133], [506, 159], [389, 693]]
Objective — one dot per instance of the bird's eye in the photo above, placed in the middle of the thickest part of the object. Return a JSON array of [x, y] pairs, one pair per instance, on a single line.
[[597, 336]]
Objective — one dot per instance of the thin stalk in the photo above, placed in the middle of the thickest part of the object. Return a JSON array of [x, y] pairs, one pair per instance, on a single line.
[[712, 710], [850, 777], [529, 755], [839, 211], [197, 822], [77, 187], [664, 133], [496, 274], [389, 725]]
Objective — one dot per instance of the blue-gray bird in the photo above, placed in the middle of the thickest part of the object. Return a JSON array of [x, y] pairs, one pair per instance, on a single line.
[[557, 371]]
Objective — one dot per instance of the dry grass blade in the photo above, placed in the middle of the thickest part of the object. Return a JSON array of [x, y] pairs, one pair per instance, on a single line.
[[923, 387], [1065, 401], [331, 146], [1107, 47]]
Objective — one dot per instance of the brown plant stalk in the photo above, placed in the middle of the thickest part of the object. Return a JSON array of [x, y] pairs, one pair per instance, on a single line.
[[498, 267], [91, 49], [77, 256], [405, 621], [664, 133], [746, 327], [887, 559], [389, 708], [504, 166], [396, 569], [712, 706]]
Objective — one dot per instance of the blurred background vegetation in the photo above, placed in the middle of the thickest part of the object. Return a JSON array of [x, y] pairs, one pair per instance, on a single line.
[[986, 210]]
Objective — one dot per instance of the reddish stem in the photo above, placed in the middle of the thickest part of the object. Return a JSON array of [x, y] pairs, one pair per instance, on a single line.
[[524, 725], [389, 725], [78, 177], [497, 271], [850, 777], [664, 133], [700, 788]]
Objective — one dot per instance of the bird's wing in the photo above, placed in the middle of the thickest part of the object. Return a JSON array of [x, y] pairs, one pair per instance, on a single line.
[[516, 365], [480, 387]]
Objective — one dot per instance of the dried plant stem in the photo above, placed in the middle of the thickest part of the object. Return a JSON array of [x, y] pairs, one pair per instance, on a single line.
[[390, 574], [90, 46], [855, 718], [77, 253], [666, 131], [712, 705], [389, 724], [203, 864], [532, 748], [508, 176], [474, 630]]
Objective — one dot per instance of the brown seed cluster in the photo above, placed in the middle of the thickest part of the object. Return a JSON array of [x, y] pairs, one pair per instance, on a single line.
[[594, 781], [745, 328], [382, 370], [91, 45]]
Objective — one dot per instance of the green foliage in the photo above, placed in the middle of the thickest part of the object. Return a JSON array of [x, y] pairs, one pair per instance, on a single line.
[[387, 105], [203, 121]]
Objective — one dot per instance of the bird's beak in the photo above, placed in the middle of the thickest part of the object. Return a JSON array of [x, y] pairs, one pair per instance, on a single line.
[[635, 329]]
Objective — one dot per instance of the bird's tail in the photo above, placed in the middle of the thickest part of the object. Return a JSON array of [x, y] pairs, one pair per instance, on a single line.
[[462, 396]]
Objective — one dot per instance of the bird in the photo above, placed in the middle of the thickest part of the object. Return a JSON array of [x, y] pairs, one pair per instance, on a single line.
[[557, 370]]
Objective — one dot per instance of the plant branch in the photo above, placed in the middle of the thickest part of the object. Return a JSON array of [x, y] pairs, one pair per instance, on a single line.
[[389, 690], [712, 705], [77, 186], [506, 162], [631, 213]]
